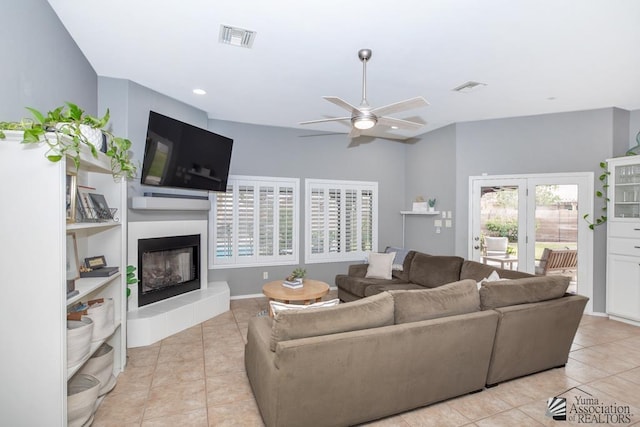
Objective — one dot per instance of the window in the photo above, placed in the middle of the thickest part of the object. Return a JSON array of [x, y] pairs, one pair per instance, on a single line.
[[254, 223], [341, 220]]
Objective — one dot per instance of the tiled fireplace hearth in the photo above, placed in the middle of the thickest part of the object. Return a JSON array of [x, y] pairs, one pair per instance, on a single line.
[[171, 258]]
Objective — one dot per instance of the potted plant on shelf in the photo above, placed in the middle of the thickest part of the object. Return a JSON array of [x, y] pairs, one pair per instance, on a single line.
[[66, 128], [432, 205]]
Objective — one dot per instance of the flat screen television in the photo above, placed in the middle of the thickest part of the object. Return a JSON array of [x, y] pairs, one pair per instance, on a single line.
[[179, 155]]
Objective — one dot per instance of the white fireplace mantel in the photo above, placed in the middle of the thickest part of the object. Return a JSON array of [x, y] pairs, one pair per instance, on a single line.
[[151, 323], [170, 204]]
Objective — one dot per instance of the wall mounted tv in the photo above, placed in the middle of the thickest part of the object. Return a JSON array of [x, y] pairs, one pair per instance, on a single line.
[[180, 155]]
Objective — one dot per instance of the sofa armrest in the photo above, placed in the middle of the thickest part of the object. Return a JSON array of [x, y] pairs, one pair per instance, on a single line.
[[534, 337], [261, 370], [358, 270]]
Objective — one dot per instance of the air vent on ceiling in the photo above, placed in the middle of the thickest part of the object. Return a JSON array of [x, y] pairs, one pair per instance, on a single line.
[[236, 36], [468, 87]]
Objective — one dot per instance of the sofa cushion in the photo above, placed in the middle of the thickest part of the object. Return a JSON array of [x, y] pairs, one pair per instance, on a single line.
[[431, 271], [358, 285], [372, 312], [522, 291], [403, 274], [447, 300], [376, 289], [380, 265]]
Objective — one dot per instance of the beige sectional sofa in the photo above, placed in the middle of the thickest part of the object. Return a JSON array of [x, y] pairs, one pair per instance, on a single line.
[[419, 271], [401, 349]]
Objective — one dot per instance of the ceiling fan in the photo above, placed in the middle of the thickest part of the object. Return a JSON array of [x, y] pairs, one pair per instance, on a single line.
[[363, 117]]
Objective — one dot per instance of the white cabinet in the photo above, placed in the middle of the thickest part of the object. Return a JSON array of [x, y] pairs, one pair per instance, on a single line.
[[33, 263], [623, 239]]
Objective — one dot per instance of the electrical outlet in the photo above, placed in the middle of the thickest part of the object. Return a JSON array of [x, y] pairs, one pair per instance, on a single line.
[[265, 275]]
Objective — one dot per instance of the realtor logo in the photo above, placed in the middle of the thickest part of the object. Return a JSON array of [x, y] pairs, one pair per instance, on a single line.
[[557, 408]]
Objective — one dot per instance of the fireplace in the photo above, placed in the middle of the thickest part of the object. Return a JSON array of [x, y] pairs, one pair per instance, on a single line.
[[150, 323], [168, 266]]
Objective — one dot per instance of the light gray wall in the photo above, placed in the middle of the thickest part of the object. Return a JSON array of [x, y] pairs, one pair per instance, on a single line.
[[431, 172], [42, 66], [130, 104], [566, 142], [285, 152], [265, 151]]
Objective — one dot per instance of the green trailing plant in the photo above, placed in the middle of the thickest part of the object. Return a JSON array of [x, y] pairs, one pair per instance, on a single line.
[[132, 279], [63, 129], [602, 194]]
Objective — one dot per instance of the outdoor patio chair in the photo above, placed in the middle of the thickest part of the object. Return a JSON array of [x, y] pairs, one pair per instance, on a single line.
[[558, 261], [496, 246]]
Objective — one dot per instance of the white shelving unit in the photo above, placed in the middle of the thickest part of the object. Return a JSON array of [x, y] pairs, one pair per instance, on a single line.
[[404, 217], [623, 240], [33, 264]]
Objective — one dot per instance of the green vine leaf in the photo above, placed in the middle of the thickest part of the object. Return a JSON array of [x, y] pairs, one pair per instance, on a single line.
[[68, 121]]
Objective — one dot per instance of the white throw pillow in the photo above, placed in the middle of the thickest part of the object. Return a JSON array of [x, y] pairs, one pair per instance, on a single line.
[[278, 307], [380, 265], [493, 277]]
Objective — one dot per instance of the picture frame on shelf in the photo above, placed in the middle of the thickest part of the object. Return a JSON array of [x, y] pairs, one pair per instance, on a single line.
[[73, 264], [70, 197], [100, 206], [86, 203]]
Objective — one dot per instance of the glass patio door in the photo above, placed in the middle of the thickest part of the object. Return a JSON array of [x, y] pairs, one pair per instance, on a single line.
[[499, 222], [537, 214]]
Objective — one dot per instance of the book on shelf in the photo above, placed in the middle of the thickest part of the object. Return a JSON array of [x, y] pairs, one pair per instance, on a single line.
[[99, 272]]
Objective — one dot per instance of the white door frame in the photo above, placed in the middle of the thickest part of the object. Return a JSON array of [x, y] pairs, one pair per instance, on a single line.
[[584, 180]]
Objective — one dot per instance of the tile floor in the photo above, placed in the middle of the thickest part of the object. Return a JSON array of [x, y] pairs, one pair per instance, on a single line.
[[197, 378]]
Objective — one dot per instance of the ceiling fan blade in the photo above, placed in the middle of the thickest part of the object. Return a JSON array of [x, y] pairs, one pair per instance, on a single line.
[[378, 132], [404, 124], [407, 104], [332, 119], [355, 132], [341, 103]]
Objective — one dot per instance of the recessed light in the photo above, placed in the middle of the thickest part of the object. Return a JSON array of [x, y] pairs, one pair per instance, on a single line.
[[200, 91], [394, 127]]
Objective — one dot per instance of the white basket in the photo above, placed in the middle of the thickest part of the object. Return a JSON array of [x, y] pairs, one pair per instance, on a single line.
[[79, 334], [100, 365], [102, 314], [82, 393]]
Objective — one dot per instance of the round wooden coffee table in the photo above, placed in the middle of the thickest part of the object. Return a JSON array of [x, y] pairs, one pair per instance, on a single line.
[[311, 291]]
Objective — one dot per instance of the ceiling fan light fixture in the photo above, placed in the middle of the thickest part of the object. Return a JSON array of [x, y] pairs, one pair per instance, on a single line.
[[364, 121]]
